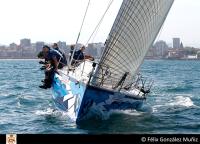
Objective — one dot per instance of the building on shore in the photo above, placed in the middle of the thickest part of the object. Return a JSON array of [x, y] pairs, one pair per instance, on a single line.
[[176, 43], [158, 50]]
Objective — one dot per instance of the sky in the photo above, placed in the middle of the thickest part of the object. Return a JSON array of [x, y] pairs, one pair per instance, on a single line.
[[54, 20]]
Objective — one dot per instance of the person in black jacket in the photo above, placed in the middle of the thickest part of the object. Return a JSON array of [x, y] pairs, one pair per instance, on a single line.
[[54, 61], [64, 60], [79, 55]]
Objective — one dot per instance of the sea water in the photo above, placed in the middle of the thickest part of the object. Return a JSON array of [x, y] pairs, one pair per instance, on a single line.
[[173, 106]]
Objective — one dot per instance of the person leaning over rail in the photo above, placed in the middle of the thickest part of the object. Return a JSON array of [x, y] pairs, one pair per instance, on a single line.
[[64, 60], [54, 62], [41, 56]]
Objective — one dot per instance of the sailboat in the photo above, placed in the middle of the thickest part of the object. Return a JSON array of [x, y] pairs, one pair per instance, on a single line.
[[112, 84]]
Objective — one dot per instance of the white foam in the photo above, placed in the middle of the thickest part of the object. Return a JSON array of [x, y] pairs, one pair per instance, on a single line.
[[48, 111], [156, 107], [181, 101], [104, 115], [129, 112], [56, 113], [177, 101]]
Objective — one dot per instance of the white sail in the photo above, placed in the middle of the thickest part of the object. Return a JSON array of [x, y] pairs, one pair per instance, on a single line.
[[134, 30]]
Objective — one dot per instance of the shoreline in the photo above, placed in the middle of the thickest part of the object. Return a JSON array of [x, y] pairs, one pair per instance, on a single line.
[[144, 59], [18, 59], [169, 59]]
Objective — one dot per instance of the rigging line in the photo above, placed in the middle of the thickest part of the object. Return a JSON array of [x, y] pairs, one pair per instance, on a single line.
[[95, 34], [79, 32], [97, 27], [108, 40]]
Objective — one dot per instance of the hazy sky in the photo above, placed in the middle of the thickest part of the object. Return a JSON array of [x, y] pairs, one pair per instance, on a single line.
[[54, 20]]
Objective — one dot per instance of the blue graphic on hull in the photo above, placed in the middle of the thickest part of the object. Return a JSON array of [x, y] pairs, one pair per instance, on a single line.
[[67, 99], [59, 88], [82, 100], [102, 101], [76, 88]]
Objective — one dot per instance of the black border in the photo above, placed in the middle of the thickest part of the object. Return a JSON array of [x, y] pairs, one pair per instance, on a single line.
[[104, 138]]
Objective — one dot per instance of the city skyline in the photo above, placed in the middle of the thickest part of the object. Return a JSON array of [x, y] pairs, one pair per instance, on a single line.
[[159, 50], [53, 21], [169, 44]]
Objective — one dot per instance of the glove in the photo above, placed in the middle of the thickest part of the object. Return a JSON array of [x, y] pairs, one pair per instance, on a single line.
[[41, 62], [42, 68]]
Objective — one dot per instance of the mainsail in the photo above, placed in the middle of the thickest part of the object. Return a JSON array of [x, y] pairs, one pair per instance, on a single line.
[[134, 30]]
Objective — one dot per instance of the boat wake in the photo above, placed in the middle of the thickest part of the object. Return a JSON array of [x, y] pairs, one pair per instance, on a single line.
[[97, 113], [132, 112], [48, 111], [57, 114], [179, 102]]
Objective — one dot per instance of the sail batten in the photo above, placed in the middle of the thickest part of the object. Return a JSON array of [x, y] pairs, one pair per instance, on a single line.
[[134, 30]]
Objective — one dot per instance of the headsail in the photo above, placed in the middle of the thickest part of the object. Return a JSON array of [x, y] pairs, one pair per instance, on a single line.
[[134, 30]]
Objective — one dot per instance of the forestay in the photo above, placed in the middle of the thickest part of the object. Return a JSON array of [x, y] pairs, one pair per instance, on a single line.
[[134, 30]]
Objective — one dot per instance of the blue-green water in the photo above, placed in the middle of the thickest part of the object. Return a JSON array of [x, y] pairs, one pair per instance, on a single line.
[[175, 101]]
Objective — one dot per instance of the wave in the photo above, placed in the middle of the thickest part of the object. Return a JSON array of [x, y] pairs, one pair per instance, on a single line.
[[177, 102], [179, 87], [132, 112], [181, 101], [57, 114], [48, 111], [97, 113]]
